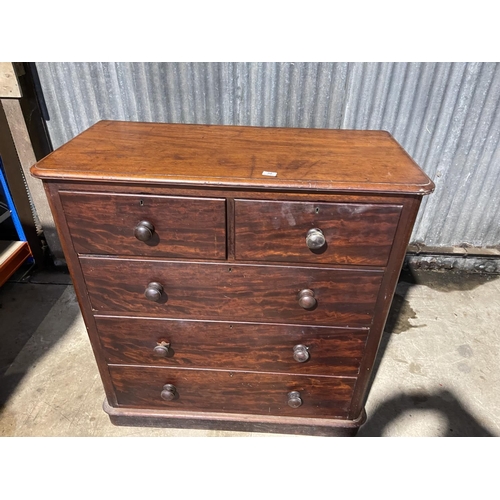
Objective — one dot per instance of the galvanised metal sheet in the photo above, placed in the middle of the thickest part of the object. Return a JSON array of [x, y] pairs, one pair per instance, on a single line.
[[446, 116]]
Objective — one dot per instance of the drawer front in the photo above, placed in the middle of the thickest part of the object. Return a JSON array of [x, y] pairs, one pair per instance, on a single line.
[[232, 292], [354, 233], [103, 223], [237, 346], [232, 391]]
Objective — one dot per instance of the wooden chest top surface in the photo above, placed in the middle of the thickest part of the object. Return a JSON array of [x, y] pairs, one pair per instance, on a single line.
[[228, 156]]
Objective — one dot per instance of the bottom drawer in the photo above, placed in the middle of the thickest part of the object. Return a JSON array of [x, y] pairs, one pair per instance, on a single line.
[[232, 391]]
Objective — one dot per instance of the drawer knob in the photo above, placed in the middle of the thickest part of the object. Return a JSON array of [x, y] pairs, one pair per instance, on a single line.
[[306, 299], [161, 349], [315, 239], [294, 399], [169, 392], [300, 353], [153, 291], [144, 231]]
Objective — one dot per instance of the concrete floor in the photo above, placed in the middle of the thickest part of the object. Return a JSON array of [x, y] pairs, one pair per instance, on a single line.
[[436, 373]]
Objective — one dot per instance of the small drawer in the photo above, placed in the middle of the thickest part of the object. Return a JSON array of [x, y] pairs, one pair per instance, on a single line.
[[239, 292], [236, 346], [323, 233], [149, 226], [232, 391]]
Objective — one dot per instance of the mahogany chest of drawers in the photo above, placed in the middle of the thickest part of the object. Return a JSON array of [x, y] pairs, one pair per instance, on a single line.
[[234, 277]]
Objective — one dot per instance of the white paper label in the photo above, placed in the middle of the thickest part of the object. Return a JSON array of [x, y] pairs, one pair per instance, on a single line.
[[270, 174]]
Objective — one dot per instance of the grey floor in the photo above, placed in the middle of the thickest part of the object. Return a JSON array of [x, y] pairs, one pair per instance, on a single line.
[[436, 373]]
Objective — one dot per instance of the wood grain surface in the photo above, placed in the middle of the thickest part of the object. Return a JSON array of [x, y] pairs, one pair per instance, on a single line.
[[231, 326], [384, 300], [213, 155], [355, 233], [239, 346], [104, 223], [232, 292], [232, 391]]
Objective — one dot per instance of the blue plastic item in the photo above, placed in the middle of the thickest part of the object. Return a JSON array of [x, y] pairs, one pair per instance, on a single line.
[[10, 203]]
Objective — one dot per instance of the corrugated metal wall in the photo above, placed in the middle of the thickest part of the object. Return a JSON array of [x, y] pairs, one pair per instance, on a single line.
[[446, 115]]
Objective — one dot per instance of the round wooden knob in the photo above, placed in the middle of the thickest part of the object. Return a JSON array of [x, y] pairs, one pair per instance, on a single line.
[[315, 239], [169, 392], [300, 353], [144, 231], [306, 299], [161, 349], [153, 291], [294, 399]]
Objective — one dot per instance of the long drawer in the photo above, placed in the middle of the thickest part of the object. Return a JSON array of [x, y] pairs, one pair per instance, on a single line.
[[237, 346], [252, 293], [111, 223], [231, 391], [351, 233]]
